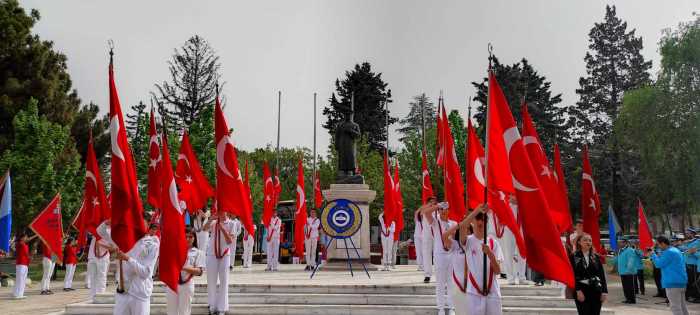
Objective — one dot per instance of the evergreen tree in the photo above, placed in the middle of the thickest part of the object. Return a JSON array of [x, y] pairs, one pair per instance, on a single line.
[[194, 72], [85, 121], [422, 110], [370, 94]]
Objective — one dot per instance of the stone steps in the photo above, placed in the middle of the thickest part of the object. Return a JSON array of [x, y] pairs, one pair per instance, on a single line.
[[313, 309], [349, 299]]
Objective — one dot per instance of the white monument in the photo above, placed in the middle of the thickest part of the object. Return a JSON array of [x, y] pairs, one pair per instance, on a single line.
[[361, 195]]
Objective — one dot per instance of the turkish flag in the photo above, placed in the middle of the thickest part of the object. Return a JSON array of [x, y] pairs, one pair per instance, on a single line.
[[268, 195], [94, 209], [545, 251], [427, 189], [318, 194], [128, 224], [475, 168], [590, 203], [155, 162], [398, 199], [277, 187], [389, 193], [645, 239], [195, 189], [438, 138], [563, 190], [558, 206], [173, 253], [246, 180], [231, 194], [300, 214], [79, 223], [452, 175], [48, 226]]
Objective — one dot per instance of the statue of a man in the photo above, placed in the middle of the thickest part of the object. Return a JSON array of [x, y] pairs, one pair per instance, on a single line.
[[345, 135]]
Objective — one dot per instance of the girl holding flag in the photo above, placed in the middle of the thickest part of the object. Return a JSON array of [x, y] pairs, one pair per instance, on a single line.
[[439, 222], [180, 303], [218, 261], [21, 264]]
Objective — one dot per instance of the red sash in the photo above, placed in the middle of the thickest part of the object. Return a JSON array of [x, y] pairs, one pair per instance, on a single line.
[[441, 239], [308, 233], [217, 242], [462, 286], [189, 277], [96, 251], [473, 281]]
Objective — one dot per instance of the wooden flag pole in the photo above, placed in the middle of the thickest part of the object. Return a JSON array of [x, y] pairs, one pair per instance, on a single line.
[[279, 118], [486, 176], [314, 171]]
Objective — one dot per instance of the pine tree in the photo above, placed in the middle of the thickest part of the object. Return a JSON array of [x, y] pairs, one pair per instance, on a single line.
[[195, 73], [413, 122], [370, 94]]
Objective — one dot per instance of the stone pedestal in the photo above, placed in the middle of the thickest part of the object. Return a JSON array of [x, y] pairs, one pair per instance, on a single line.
[[361, 195]]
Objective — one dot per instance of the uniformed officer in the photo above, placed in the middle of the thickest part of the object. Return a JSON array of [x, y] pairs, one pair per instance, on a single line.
[[138, 267]]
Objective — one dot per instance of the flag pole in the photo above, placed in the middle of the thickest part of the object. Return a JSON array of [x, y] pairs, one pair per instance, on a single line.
[[486, 167], [120, 288], [279, 118], [422, 121], [466, 150], [314, 172]]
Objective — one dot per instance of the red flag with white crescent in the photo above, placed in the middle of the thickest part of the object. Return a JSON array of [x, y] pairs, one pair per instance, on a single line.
[[398, 199], [590, 203], [300, 214], [95, 208], [127, 224], [195, 189], [173, 253], [645, 240], [49, 227], [452, 175], [389, 193], [509, 164], [427, 189], [268, 195], [475, 168], [563, 191], [231, 194], [155, 162], [318, 194]]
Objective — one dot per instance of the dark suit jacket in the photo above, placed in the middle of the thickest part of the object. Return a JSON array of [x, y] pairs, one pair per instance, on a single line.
[[583, 271]]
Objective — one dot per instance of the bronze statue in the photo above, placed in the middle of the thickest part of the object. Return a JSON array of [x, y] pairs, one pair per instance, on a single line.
[[346, 133]]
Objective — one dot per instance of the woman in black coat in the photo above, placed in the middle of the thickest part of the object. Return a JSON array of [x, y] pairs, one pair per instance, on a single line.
[[591, 286]]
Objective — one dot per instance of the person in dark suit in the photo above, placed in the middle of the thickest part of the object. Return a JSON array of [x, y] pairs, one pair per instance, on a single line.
[[591, 286]]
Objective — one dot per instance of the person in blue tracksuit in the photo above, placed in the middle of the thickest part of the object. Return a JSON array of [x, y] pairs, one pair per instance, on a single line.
[[691, 246], [673, 274], [639, 263], [627, 268]]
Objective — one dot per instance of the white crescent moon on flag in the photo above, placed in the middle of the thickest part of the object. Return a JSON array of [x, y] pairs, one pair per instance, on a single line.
[[172, 192], [220, 149], [479, 171], [269, 179], [183, 157], [114, 136], [154, 140], [302, 198], [531, 140], [425, 173], [91, 176], [587, 176], [511, 136]]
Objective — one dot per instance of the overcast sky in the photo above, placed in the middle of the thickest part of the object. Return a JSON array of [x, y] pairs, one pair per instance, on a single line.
[[301, 47]]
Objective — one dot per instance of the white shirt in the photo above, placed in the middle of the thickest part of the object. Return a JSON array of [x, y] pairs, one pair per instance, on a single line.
[[439, 227], [386, 232], [458, 258], [236, 228], [247, 235], [311, 228], [138, 270], [195, 258], [475, 262], [198, 223], [427, 230], [227, 226], [273, 230], [418, 228], [101, 250]]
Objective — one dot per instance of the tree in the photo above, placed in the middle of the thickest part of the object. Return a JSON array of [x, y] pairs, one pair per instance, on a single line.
[[87, 121], [43, 162], [194, 72], [413, 122], [370, 94]]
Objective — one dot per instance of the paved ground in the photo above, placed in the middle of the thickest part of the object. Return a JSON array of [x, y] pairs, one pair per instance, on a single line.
[[406, 275]]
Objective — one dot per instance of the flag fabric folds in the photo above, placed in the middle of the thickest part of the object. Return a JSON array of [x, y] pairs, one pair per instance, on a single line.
[[645, 239], [268, 195], [427, 189], [398, 199], [155, 162], [389, 193], [452, 175], [5, 212], [590, 203], [613, 228], [173, 252], [300, 214], [563, 190], [48, 226], [318, 194], [95, 208], [128, 225], [195, 189], [475, 168]]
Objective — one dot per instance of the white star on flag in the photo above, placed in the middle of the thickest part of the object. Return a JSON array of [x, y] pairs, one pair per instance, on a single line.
[[546, 171]]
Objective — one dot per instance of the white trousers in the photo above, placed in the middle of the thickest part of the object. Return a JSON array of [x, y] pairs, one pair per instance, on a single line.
[[125, 304], [202, 240], [180, 303], [68, 280], [310, 246], [273, 252], [20, 280], [394, 251], [387, 242], [98, 276], [481, 305], [418, 245], [217, 296], [232, 252], [47, 266], [443, 276], [459, 299], [427, 256], [88, 275], [248, 252]]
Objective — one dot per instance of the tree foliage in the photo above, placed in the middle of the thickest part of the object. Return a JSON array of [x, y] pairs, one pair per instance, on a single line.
[[422, 112]]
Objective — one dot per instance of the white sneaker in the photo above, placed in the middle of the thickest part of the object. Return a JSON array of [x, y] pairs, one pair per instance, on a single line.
[[441, 311], [451, 312]]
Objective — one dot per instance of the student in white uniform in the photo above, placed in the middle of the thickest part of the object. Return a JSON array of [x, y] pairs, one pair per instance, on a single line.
[[387, 236], [218, 261], [236, 231], [483, 301], [311, 239], [47, 263], [248, 245], [428, 241], [198, 222], [138, 266], [98, 258], [273, 242], [418, 238], [180, 303], [513, 265], [440, 223]]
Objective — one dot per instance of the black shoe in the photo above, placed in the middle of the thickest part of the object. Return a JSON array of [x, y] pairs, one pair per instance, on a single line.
[[49, 292], [426, 280], [42, 292], [695, 300], [66, 289], [629, 302]]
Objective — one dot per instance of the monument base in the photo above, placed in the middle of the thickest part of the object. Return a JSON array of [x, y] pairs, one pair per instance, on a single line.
[[361, 195]]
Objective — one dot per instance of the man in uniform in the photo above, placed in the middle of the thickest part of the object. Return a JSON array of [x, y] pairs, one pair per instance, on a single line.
[[311, 239], [689, 249], [387, 236], [218, 261], [483, 300], [273, 242], [98, 258], [428, 241], [138, 266], [627, 269], [198, 224], [418, 238], [235, 233], [248, 244], [439, 222]]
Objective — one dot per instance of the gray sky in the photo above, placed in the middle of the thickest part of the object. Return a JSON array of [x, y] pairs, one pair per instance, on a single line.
[[301, 47]]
